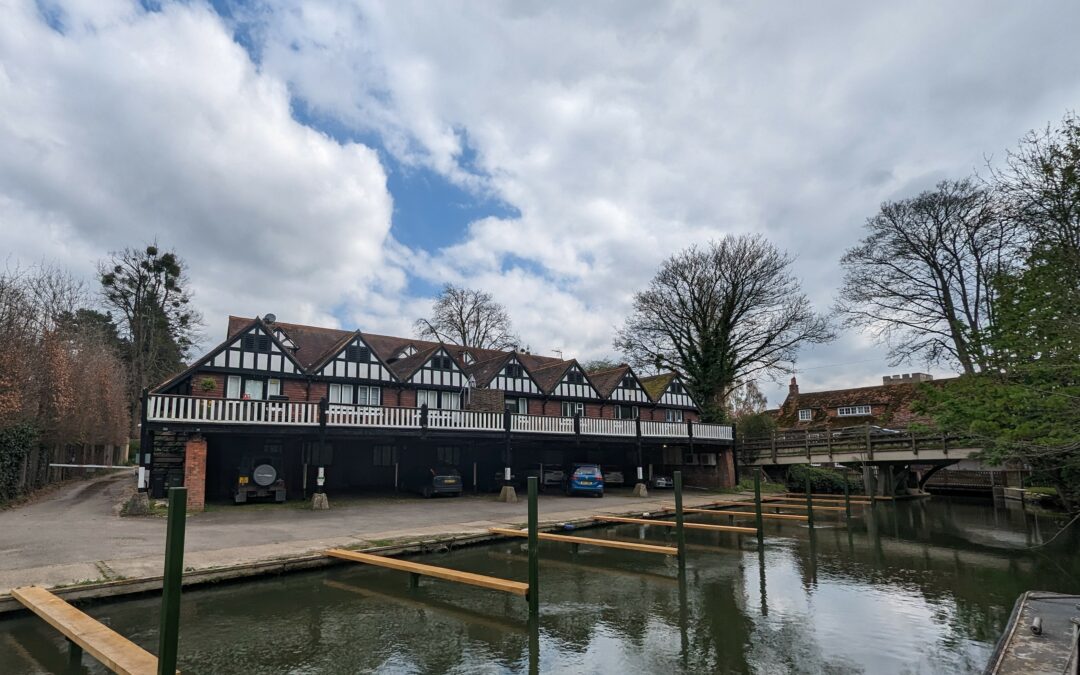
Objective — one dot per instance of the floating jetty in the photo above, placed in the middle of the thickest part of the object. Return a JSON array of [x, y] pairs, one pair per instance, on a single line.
[[1041, 637]]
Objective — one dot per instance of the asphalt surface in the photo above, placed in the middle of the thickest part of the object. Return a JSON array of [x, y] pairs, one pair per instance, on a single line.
[[75, 533]]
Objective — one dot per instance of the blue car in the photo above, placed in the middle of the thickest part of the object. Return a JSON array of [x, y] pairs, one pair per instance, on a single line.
[[585, 479]]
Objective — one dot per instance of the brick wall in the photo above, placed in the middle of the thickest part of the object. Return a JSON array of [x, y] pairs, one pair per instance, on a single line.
[[485, 400], [195, 472], [536, 406], [296, 390], [407, 398], [197, 385]]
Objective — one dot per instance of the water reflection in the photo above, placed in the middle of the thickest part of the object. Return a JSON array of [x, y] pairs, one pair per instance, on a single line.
[[907, 587]]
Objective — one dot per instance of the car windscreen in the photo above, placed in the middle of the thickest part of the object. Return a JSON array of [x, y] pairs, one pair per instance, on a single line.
[[446, 471], [586, 471]]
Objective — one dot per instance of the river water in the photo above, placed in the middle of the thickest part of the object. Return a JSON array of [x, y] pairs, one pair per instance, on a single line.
[[916, 587]]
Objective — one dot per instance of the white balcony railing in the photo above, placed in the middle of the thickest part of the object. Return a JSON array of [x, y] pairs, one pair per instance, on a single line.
[[594, 426], [196, 410]]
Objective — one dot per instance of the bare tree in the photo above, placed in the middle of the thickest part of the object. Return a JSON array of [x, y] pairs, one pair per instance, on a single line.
[[719, 315], [148, 290], [1040, 186], [467, 317], [921, 281]]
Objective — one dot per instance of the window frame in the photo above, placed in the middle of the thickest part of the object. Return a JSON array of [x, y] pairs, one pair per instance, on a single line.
[[674, 415], [861, 410], [806, 414], [635, 411], [239, 382], [572, 406], [521, 405]]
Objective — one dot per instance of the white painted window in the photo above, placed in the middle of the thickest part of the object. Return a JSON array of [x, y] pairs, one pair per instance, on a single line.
[[438, 400], [673, 415], [253, 389], [571, 408], [341, 393], [854, 410], [518, 406], [368, 396], [805, 415], [626, 412], [273, 387], [232, 387]]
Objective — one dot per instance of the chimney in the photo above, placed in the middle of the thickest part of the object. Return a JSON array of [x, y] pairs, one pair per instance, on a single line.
[[793, 388]]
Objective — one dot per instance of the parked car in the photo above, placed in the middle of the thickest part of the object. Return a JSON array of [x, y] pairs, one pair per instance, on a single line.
[[553, 475], [258, 477], [585, 479], [613, 477], [433, 480], [658, 481]]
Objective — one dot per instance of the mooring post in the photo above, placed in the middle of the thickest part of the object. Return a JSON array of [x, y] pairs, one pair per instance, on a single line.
[[680, 535], [757, 506], [169, 631], [847, 496], [414, 580], [534, 551], [74, 657], [809, 504]]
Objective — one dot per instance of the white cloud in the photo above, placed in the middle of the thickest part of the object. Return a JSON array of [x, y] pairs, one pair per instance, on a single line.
[[134, 125], [621, 132]]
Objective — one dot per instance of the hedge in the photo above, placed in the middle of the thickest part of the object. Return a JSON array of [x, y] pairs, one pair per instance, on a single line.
[[24, 464]]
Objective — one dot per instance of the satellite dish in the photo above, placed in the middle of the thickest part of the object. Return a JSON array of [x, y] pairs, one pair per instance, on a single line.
[[269, 318]]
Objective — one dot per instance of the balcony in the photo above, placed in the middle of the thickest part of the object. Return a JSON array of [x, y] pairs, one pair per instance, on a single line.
[[183, 410]]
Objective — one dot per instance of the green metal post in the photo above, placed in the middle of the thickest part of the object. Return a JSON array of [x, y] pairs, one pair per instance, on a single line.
[[809, 504], [680, 535], [169, 633], [757, 506], [847, 497], [74, 657], [534, 551]]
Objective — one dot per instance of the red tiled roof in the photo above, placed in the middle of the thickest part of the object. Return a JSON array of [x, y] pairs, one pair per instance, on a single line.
[[549, 375], [606, 381], [404, 368], [484, 371], [892, 405], [313, 342]]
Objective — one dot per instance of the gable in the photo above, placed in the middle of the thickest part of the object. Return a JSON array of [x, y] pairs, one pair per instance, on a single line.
[[575, 384], [356, 361], [513, 377], [439, 370], [254, 349], [629, 389], [677, 395]]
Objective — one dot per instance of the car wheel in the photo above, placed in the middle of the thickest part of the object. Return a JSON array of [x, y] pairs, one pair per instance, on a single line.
[[426, 492]]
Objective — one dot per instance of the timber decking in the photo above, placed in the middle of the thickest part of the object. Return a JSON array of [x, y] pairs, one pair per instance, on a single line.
[[445, 573], [604, 543], [113, 650], [668, 523], [746, 514]]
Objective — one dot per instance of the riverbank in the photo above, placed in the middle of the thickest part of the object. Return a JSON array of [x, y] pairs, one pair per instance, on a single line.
[[71, 543]]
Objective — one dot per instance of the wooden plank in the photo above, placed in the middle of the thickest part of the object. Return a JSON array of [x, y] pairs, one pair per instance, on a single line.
[[830, 496], [765, 504], [668, 523], [802, 500], [445, 573], [603, 543], [113, 650], [746, 514]]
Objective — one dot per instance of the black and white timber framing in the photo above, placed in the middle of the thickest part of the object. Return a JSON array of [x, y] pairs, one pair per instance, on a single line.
[[630, 389], [514, 378], [254, 350], [356, 360]]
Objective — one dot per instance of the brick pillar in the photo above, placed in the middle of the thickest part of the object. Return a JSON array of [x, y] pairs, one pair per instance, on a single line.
[[726, 462], [195, 472]]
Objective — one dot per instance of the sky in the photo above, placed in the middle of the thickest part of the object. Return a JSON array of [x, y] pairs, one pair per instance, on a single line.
[[337, 162]]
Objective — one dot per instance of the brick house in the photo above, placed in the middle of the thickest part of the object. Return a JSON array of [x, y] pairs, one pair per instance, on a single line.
[[368, 407], [887, 405]]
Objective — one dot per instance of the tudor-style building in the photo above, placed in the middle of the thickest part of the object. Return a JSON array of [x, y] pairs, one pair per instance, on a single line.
[[367, 407]]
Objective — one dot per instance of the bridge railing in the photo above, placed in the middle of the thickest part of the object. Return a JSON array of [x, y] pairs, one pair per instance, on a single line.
[[865, 439]]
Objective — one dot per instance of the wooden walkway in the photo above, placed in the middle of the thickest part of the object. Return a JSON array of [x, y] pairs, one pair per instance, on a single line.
[[747, 514], [445, 573], [669, 523], [113, 650], [833, 497], [603, 543]]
